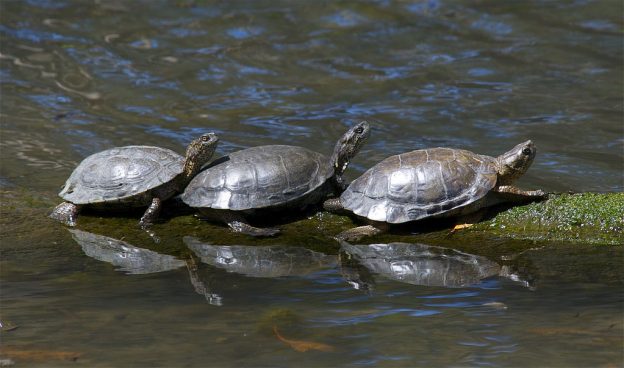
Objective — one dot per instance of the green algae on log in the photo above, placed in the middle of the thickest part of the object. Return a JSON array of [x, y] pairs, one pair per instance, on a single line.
[[583, 217], [589, 218]]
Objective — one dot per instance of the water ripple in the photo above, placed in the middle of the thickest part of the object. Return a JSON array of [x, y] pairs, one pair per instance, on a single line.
[[82, 76], [39, 36], [370, 317], [48, 4], [345, 19], [241, 33], [108, 65], [460, 294]]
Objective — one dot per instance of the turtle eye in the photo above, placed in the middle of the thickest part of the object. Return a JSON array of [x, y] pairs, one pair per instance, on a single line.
[[526, 151], [359, 130], [205, 138]]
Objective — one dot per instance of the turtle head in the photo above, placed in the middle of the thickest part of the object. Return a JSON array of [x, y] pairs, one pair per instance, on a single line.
[[515, 162], [348, 146], [199, 153]]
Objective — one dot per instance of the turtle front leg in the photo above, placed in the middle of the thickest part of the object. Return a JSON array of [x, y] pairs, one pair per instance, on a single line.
[[66, 213], [515, 194], [151, 214], [340, 184], [199, 286], [360, 232]]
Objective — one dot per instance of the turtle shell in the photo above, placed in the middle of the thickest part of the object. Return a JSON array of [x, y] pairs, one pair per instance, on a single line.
[[420, 184], [258, 177], [122, 174]]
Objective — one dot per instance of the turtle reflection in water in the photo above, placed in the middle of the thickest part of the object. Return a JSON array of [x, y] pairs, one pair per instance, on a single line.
[[418, 264], [135, 261], [261, 261], [128, 258], [436, 182]]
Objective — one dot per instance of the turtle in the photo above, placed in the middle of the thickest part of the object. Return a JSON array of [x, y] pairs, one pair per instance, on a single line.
[[433, 183], [132, 176], [265, 180]]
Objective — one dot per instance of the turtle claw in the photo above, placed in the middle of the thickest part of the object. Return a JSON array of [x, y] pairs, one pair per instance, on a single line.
[[540, 194], [461, 226], [456, 228], [151, 234]]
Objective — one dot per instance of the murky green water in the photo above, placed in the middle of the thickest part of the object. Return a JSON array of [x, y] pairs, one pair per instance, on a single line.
[[79, 77]]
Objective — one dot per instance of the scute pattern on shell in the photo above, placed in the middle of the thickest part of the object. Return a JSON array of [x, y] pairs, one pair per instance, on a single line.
[[120, 174], [419, 184], [258, 177]]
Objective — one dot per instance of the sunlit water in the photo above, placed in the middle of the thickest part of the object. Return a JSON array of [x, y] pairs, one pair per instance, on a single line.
[[79, 77]]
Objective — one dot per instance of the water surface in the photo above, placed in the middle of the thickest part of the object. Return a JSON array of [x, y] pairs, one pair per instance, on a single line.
[[79, 77]]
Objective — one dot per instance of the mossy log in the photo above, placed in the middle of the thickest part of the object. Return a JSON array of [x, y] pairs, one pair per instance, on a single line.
[[583, 217], [587, 218], [590, 218]]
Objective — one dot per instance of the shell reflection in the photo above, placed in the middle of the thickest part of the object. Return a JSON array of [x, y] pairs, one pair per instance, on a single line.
[[125, 257], [261, 261], [416, 264]]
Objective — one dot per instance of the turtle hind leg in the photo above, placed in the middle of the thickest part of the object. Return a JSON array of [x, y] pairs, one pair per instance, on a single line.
[[244, 228], [151, 214], [359, 232], [333, 205], [239, 224], [66, 213]]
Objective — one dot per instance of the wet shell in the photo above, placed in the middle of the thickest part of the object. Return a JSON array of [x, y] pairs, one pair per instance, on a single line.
[[122, 174], [420, 184], [258, 177]]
